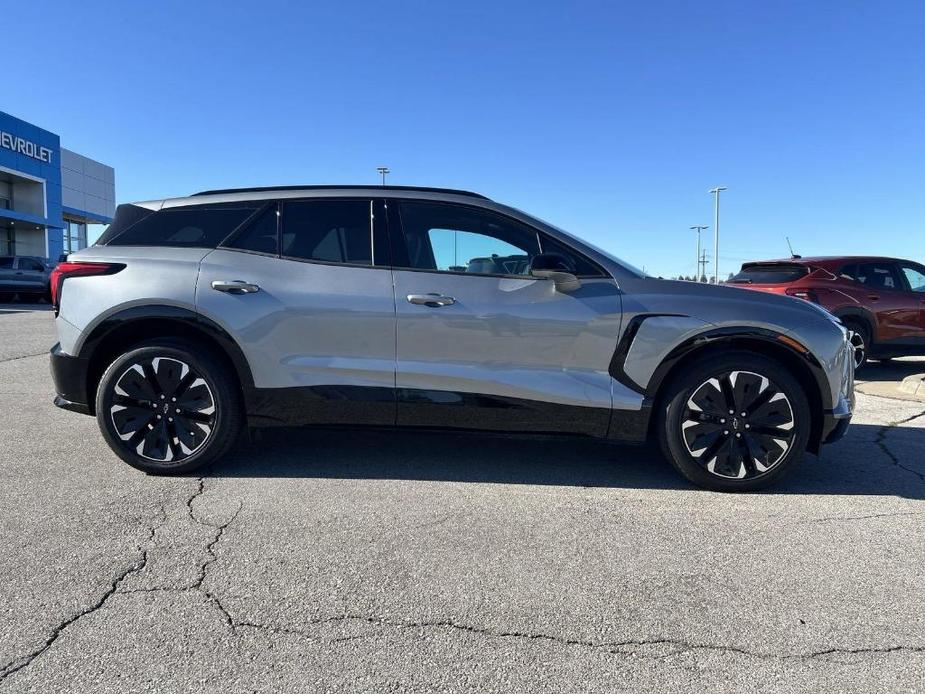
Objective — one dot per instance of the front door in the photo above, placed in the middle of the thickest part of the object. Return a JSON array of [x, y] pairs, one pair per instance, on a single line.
[[481, 343], [914, 278], [31, 276], [318, 329], [898, 311]]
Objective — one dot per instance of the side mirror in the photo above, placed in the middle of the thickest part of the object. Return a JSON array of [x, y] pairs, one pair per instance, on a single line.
[[557, 268]]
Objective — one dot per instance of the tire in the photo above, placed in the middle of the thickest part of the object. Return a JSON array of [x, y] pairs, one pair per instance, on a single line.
[[195, 414], [860, 339], [6, 297], [707, 444]]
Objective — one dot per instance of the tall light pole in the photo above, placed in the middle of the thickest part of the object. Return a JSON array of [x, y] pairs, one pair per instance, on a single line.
[[698, 228], [383, 170], [715, 192]]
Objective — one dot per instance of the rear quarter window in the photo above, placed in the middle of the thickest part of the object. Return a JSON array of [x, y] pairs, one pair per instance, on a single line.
[[184, 227], [770, 274]]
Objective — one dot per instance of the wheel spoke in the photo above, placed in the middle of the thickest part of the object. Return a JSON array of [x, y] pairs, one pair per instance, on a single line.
[[130, 419], [728, 393], [151, 378], [128, 401], [195, 416]]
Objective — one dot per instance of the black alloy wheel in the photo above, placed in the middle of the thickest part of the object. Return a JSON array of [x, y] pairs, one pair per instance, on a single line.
[[738, 425], [162, 409], [734, 421], [169, 407]]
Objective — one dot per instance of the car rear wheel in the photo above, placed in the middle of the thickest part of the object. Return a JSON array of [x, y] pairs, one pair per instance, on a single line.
[[734, 422], [859, 336], [6, 297], [169, 407]]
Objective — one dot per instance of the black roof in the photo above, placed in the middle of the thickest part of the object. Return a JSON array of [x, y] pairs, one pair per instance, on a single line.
[[270, 189]]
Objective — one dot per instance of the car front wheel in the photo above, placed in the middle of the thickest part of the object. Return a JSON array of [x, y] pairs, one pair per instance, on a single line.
[[169, 407], [734, 422]]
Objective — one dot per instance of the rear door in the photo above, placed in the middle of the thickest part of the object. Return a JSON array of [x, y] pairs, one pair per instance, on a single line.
[[315, 316], [481, 343]]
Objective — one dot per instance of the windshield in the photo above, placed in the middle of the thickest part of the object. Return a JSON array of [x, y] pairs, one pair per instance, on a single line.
[[632, 269]]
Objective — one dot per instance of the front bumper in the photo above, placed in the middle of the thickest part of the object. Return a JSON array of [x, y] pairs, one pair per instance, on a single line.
[[835, 421], [70, 376]]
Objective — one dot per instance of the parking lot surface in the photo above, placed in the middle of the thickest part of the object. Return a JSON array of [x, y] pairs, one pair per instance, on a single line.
[[379, 561]]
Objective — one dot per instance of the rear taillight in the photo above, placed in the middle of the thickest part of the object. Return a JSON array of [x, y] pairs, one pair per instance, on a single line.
[[66, 269], [805, 294]]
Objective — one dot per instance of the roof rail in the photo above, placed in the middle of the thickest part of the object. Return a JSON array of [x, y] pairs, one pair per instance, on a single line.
[[271, 189]]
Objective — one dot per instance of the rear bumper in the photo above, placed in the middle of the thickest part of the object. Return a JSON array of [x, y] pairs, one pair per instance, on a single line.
[[70, 376]]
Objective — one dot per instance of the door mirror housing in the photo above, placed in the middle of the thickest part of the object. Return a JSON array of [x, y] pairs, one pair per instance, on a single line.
[[557, 268], [565, 281]]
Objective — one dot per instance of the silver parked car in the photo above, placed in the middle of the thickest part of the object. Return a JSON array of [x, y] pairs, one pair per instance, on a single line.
[[416, 307], [24, 275]]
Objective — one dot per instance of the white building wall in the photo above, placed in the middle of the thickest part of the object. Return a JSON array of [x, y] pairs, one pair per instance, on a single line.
[[87, 185]]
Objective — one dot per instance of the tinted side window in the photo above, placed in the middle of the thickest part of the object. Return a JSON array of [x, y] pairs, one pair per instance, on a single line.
[[849, 272], [878, 276], [260, 235], [187, 227], [6, 262], [334, 231], [462, 239], [126, 216], [30, 264]]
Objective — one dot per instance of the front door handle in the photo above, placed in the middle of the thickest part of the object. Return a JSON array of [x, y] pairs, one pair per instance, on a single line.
[[234, 286], [432, 300], [873, 297]]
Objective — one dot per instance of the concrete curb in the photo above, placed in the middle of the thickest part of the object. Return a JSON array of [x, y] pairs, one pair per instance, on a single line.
[[910, 388], [914, 385]]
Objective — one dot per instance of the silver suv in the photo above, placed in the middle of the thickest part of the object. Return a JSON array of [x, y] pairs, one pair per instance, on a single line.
[[193, 318]]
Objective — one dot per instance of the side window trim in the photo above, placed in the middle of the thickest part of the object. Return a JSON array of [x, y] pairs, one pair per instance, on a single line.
[[398, 242]]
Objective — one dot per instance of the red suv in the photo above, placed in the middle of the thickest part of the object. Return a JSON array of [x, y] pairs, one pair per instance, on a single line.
[[882, 300]]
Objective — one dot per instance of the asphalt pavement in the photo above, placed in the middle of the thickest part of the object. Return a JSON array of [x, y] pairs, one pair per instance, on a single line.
[[378, 562]]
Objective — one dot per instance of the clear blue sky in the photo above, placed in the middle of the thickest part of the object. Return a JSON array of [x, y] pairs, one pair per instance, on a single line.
[[609, 119]]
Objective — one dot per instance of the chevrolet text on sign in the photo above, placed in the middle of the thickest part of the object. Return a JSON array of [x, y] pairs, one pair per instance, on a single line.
[[21, 146]]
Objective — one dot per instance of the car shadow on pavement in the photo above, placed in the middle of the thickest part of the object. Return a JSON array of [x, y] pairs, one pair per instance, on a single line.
[[895, 370], [860, 464]]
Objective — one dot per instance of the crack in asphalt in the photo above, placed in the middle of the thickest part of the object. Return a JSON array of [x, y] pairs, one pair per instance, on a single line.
[[831, 519], [211, 556], [21, 662], [24, 356], [627, 647], [136, 566], [880, 441]]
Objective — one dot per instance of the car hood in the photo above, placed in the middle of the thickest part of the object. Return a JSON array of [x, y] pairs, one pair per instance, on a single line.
[[723, 305]]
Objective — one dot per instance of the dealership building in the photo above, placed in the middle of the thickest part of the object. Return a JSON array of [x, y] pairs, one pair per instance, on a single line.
[[50, 197]]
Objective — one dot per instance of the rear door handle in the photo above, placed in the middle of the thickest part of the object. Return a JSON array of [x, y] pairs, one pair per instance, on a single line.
[[234, 286], [873, 297], [432, 300]]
